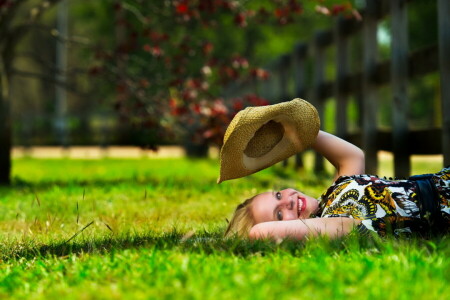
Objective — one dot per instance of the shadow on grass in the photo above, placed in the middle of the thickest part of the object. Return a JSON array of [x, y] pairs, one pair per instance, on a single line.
[[206, 242], [213, 243], [172, 183]]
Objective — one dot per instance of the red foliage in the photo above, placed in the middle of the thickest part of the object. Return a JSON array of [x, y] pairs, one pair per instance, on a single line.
[[295, 7], [338, 9], [240, 20], [117, 6], [182, 8], [6, 4], [207, 48], [95, 70], [147, 48], [155, 37], [285, 12], [345, 9], [279, 12], [176, 75], [212, 117], [259, 73], [144, 83], [207, 6]]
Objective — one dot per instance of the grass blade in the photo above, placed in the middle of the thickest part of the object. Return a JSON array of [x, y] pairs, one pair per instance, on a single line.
[[80, 231]]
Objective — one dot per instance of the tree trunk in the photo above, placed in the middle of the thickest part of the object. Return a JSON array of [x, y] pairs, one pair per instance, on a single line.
[[5, 130], [194, 149]]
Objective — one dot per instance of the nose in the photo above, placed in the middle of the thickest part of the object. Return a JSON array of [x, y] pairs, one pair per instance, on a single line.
[[289, 205]]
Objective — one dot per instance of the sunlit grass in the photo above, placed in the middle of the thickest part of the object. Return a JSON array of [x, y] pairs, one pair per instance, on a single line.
[[154, 230]]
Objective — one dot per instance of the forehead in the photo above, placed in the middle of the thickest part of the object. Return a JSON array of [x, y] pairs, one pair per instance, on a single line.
[[263, 206]]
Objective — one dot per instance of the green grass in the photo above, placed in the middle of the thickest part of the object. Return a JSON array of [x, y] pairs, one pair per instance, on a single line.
[[154, 230]]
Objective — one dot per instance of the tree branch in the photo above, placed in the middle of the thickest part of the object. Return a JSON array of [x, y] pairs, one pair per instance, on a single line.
[[8, 14], [135, 12], [37, 11], [50, 66], [47, 77], [11, 37]]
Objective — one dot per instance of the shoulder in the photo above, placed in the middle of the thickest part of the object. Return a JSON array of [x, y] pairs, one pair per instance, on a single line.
[[349, 187], [338, 185]]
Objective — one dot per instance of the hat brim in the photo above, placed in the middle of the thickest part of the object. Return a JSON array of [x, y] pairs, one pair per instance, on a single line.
[[300, 126]]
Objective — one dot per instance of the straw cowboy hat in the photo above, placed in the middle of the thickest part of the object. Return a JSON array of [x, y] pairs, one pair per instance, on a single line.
[[259, 137]]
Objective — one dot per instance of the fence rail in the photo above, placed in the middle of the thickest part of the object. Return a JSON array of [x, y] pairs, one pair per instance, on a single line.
[[364, 85]]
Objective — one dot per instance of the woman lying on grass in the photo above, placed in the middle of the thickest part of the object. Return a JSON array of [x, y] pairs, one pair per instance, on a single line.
[[258, 137], [418, 205]]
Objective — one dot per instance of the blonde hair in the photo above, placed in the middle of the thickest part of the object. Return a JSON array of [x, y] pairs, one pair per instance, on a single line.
[[242, 220]]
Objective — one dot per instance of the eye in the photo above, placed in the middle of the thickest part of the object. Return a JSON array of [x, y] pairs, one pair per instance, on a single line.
[[278, 195], [279, 215]]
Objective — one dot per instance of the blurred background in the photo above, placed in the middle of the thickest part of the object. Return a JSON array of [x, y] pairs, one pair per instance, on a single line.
[[174, 72]]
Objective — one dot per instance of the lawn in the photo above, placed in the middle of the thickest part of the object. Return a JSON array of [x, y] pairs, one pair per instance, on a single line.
[[151, 229]]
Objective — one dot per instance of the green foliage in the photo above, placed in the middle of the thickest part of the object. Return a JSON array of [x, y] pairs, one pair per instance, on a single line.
[[157, 233]]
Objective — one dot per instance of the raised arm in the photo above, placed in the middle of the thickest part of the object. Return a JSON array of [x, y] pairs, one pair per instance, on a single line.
[[347, 158], [299, 229]]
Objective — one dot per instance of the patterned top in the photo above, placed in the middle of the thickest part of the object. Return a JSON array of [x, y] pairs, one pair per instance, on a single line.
[[384, 206]]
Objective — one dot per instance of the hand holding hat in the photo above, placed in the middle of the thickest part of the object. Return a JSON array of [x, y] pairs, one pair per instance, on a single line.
[[259, 137]]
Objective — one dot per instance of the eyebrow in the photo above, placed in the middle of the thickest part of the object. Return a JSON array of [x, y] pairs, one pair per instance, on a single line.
[[276, 207]]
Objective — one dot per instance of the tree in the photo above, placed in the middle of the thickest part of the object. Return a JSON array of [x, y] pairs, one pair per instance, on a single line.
[[17, 18], [169, 64], [179, 54]]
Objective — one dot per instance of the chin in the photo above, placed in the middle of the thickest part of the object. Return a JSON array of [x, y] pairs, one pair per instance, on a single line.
[[313, 205]]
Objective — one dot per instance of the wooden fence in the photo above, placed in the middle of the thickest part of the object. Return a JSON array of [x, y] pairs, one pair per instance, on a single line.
[[364, 85]]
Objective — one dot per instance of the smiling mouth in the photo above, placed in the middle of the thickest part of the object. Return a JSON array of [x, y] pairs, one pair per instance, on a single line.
[[301, 205]]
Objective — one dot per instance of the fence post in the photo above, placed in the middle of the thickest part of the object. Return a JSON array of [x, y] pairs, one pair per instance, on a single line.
[[319, 66], [27, 120], [341, 72], [299, 64], [5, 124], [283, 82], [369, 130], [272, 85], [399, 83], [61, 109], [284, 77], [264, 90], [444, 63]]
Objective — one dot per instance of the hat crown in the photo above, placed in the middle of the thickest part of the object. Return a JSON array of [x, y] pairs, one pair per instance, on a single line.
[[265, 138]]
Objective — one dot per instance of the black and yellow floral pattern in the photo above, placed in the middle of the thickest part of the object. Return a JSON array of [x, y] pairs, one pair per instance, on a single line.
[[383, 205]]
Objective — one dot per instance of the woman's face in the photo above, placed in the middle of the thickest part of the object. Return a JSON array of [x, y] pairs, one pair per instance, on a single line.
[[284, 205]]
